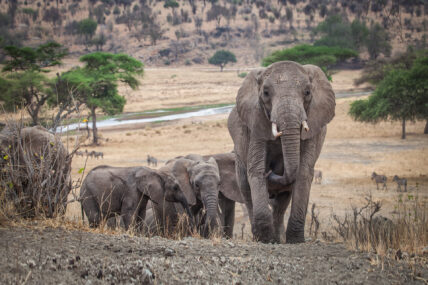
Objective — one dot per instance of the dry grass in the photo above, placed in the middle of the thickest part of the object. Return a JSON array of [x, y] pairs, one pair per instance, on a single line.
[[406, 231]]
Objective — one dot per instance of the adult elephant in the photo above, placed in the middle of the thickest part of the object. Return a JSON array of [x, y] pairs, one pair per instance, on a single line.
[[278, 128], [108, 191], [35, 169]]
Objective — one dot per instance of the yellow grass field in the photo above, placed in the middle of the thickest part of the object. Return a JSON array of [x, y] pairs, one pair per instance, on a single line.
[[352, 150]]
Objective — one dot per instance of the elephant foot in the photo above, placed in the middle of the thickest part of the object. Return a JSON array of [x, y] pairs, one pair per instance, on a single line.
[[294, 237], [263, 232]]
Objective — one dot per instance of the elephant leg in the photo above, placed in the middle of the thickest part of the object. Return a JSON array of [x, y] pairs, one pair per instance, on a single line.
[[139, 221], [310, 151], [128, 211], [244, 186], [280, 205], [92, 211], [228, 215]]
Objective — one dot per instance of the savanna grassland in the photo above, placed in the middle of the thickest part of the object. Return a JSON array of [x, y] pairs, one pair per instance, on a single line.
[[352, 150]]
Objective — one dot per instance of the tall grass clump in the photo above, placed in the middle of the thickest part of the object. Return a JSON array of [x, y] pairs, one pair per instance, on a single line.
[[407, 230]]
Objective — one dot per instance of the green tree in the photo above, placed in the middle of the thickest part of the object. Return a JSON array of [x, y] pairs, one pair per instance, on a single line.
[[87, 28], [322, 56], [29, 89], [378, 42], [401, 96], [27, 58], [221, 58], [171, 4], [24, 83], [95, 84]]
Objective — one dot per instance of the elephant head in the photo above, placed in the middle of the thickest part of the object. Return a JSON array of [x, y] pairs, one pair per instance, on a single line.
[[158, 186], [290, 102], [200, 183]]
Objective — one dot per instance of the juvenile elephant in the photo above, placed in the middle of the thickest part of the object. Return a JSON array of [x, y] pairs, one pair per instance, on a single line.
[[227, 191], [278, 128], [199, 181], [108, 191]]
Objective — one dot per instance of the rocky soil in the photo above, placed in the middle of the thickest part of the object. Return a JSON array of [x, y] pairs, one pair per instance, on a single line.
[[58, 256]]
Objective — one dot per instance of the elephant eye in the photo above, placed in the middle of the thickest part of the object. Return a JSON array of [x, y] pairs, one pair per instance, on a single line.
[[265, 93], [175, 188], [307, 92]]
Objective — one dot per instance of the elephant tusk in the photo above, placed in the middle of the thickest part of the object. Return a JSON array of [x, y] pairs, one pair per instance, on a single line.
[[275, 132], [305, 126]]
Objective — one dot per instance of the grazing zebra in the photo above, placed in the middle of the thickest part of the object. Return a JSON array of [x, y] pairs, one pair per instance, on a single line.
[[80, 153], [379, 179], [318, 176], [152, 160], [99, 154], [400, 182]]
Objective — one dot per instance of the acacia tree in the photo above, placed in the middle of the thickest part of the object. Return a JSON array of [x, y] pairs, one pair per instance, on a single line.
[[401, 96], [221, 58], [95, 84], [24, 83]]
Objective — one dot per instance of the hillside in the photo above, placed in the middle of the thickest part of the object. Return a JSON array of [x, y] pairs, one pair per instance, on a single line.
[[188, 32]]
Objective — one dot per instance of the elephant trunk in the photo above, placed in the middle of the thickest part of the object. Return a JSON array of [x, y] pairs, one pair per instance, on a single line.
[[211, 222], [290, 125]]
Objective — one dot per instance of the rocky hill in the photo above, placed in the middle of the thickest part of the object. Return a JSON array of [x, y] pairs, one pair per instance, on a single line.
[[188, 32]]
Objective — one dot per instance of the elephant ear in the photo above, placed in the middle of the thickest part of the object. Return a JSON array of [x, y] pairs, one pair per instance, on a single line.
[[228, 185], [321, 109], [180, 170], [247, 99]]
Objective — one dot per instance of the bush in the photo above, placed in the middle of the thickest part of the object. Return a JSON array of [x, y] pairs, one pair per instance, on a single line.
[[188, 62], [35, 171], [242, 74]]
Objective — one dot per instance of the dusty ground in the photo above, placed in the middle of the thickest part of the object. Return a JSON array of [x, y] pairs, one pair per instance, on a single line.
[[56, 256]]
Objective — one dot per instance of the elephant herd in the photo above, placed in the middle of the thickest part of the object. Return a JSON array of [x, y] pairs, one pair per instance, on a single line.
[[278, 129], [201, 188]]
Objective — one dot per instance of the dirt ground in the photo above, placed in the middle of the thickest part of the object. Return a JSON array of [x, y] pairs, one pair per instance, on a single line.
[[57, 256]]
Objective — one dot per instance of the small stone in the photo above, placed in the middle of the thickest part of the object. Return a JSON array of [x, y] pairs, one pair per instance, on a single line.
[[71, 262], [100, 274], [147, 276], [231, 244], [84, 273], [425, 250], [31, 263], [77, 258], [169, 252]]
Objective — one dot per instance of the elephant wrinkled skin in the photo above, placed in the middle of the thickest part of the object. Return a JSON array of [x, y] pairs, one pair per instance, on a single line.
[[278, 128]]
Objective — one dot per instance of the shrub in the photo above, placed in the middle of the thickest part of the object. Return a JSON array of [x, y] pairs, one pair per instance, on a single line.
[[242, 74], [35, 171], [188, 62]]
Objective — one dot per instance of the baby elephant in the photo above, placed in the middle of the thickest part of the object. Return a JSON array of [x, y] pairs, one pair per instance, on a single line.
[[379, 179], [109, 191], [400, 182]]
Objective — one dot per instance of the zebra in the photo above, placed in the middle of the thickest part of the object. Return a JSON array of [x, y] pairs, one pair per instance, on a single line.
[[152, 160], [99, 154], [400, 182], [379, 179], [80, 153]]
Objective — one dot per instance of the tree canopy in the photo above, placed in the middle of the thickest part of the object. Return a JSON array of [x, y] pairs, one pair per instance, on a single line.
[[221, 58], [402, 95], [23, 84], [321, 56], [95, 84]]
